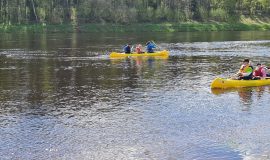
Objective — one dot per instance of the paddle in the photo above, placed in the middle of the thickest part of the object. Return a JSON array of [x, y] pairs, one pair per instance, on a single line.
[[156, 45], [234, 77], [131, 49]]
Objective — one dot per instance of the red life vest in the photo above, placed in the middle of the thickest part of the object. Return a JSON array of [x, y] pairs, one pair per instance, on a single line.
[[258, 72]]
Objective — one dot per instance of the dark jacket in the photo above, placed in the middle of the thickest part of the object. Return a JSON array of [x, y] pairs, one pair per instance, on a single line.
[[127, 49]]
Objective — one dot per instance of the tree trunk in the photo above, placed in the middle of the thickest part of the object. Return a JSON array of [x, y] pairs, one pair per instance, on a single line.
[[7, 12], [1, 12], [19, 12], [34, 10], [25, 11]]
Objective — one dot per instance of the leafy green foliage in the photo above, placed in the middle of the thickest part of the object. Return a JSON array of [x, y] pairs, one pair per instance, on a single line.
[[129, 11]]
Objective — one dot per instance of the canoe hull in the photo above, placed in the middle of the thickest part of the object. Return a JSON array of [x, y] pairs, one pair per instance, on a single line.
[[156, 54], [229, 83]]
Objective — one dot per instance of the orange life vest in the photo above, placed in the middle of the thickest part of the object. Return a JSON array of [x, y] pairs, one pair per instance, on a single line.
[[243, 69]]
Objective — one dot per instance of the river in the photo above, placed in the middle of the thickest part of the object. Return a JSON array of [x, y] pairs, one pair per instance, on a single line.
[[61, 97]]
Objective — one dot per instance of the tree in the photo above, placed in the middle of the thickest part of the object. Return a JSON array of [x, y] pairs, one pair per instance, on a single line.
[[128, 11]]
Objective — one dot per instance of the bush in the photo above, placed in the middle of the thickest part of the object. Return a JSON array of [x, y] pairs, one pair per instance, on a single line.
[[219, 14]]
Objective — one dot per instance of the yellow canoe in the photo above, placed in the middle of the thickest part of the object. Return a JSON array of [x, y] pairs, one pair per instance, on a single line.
[[229, 83], [156, 54]]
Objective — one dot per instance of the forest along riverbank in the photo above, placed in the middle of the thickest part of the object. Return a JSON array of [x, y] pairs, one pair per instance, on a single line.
[[138, 27], [134, 15]]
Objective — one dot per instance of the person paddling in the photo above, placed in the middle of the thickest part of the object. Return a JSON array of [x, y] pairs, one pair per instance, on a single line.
[[245, 71], [150, 47], [267, 70], [139, 49], [127, 49], [259, 72]]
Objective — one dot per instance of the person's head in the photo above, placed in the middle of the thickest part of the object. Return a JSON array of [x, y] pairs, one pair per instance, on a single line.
[[258, 66], [246, 61], [148, 42]]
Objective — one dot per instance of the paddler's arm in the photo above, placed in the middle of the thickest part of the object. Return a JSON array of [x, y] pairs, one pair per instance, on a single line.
[[264, 72], [240, 70]]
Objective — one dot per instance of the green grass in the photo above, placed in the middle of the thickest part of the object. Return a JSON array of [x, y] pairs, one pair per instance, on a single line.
[[163, 27]]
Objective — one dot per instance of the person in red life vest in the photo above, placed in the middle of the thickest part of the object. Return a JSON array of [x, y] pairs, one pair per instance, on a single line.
[[259, 72], [245, 71], [139, 49]]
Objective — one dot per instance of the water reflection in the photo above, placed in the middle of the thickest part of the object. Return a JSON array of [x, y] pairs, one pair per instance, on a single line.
[[246, 95], [141, 64], [212, 151]]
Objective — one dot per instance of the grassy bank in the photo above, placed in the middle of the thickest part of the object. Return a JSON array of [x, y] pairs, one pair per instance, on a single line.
[[165, 27]]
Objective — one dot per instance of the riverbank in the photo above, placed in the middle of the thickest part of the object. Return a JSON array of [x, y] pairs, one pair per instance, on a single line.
[[164, 27]]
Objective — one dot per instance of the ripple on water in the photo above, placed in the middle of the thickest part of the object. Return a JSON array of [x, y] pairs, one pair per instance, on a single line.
[[66, 104]]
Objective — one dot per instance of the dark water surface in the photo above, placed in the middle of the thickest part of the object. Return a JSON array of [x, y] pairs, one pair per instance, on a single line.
[[61, 97]]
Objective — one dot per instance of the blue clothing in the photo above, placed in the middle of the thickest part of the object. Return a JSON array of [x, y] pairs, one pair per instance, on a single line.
[[127, 49], [150, 47]]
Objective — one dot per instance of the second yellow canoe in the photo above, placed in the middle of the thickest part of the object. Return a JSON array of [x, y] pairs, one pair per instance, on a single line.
[[155, 54]]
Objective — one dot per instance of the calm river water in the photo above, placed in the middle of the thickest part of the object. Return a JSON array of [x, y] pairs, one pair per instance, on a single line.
[[61, 97]]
